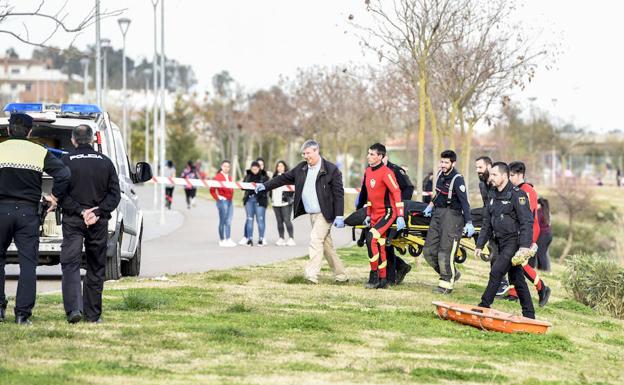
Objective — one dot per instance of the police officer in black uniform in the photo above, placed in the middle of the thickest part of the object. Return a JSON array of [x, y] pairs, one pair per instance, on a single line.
[[483, 164], [22, 164], [451, 217], [397, 268], [509, 221], [93, 194]]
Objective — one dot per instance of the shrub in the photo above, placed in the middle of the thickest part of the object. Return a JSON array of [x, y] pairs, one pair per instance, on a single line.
[[597, 282]]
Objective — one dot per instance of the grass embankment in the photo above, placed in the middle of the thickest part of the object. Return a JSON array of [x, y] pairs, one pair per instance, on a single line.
[[264, 325]]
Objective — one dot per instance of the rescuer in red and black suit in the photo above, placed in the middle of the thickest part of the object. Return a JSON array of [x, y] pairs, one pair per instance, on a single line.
[[383, 206]]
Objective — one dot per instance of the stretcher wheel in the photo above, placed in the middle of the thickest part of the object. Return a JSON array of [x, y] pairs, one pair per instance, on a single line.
[[401, 250], [461, 255], [415, 251]]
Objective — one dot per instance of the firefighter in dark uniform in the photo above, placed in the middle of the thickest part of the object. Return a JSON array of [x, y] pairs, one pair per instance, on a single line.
[[508, 220], [93, 194], [22, 164], [397, 268], [451, 217]]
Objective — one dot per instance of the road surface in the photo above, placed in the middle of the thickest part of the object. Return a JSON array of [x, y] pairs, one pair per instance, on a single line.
[[188, 242]]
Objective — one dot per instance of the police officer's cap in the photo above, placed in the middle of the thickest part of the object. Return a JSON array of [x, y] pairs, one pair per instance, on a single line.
[[22, 120]]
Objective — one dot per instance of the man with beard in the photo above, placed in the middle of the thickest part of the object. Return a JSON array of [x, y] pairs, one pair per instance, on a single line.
[[483, 164], [451, 217], [508, 220]]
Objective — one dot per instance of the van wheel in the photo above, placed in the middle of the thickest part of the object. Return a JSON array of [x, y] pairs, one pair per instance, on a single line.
[[113, 264], [132, 267]]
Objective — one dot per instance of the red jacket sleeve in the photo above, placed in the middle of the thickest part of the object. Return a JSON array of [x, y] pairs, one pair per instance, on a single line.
[[213, 190], [533, 206], [395, 191]]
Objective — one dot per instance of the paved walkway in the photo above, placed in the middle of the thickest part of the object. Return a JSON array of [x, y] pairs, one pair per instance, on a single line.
[[188, 242]]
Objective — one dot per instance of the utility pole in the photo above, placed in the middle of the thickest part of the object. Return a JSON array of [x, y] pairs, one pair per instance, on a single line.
[[98, 57]]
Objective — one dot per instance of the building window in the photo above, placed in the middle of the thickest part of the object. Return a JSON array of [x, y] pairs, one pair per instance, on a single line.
[[28, 86], [15, 71], [13, 86]]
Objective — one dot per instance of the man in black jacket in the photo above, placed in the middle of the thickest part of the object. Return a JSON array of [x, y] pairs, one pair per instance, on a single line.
[[93, 194], [318, 192], [22, 164], [483, 165], [509, 221]]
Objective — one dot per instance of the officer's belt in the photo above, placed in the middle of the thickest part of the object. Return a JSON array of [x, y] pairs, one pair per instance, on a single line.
[[17, 202]]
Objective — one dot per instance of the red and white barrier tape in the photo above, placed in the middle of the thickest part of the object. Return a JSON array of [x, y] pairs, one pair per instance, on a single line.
[[208, 183]]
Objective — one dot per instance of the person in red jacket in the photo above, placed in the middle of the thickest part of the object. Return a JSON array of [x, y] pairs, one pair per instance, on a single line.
[[223, 196], [517, 170], [383, 207]]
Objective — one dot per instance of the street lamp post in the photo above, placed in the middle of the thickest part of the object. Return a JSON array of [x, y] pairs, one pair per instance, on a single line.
[[98, 56], [155, 109], [105, 45], [124, 23], [163, 94], [147, 72], [85, 66]]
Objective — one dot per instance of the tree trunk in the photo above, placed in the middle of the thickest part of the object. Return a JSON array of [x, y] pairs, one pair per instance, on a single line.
[[569, 240], [435, 140], [422, 124], [462, 129], [451, 126], [468, 152]]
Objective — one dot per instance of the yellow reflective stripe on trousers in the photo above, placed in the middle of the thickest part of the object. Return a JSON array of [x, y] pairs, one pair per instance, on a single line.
[[375, 258], [452, 262], [375, 233], [383, 265], [445, 285]]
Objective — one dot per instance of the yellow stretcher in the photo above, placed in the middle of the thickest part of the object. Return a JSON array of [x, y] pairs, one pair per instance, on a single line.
[[412, 241]]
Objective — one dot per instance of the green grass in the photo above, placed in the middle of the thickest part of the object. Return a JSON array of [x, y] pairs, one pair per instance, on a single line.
[[265, 325]]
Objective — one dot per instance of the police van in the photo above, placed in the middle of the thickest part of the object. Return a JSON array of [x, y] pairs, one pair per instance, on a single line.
[[52, 128]]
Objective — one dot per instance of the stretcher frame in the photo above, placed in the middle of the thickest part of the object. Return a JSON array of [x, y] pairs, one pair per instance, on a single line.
[[412, 240]]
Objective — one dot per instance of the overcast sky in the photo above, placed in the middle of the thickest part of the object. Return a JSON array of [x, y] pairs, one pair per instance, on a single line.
[[256, 41]]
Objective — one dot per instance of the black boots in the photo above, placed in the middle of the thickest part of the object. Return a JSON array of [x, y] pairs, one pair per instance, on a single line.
[[374, 282]]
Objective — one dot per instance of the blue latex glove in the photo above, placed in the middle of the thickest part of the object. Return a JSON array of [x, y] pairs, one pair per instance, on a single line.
[[400, 222], [469, 229], [339, 222], [260, 187], [427, 211], [367, 221]]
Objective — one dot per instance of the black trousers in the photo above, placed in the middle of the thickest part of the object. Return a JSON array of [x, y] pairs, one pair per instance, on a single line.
[[442, 242], [190, 194], [282, 216], [541, 260], [506, 250], [75, 232], [19, 222], [394, 263]]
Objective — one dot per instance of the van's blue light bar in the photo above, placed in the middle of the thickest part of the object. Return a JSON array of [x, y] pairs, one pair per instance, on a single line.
[[80, 109], [23, 107]]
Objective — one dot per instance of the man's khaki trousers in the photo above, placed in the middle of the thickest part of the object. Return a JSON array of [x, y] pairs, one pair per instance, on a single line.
[[321, 245]]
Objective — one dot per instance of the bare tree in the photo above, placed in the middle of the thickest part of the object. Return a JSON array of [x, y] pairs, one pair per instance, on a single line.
[[54, 22], [408, 33]]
